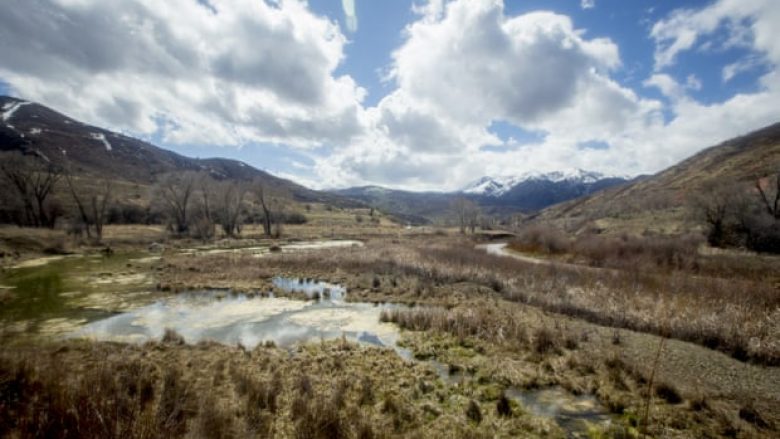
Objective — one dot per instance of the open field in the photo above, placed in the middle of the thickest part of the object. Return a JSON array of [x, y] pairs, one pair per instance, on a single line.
[[484, 334]]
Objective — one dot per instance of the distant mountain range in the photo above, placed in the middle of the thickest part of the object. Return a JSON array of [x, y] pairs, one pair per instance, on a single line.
[[497, 195], [500, 186]]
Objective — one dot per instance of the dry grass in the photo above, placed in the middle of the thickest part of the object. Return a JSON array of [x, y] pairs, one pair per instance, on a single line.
[[329, 390], [738, 315], [619, 375]]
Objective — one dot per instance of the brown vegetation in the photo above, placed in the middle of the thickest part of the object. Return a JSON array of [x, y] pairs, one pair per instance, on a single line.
[[170, 390], [736, 315], [651, 389]]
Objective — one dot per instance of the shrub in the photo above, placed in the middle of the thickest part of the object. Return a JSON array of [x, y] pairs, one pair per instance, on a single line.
[[545, 340], [668, 392], [295, 218], [473, 412], [172, 337], [503, 406], [541, 239]]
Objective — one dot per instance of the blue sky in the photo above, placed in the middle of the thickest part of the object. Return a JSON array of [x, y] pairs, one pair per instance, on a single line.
[[422, 95]]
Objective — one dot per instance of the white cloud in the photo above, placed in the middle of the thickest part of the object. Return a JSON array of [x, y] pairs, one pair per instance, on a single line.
[[669, 86], [745, 64], [587, 4], [230, 72], [747, 22], [465, 65], [241, 71], [349, 14]]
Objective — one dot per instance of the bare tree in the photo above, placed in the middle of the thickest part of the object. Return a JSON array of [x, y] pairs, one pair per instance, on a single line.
[[229, 206], [206, 184], [467, 214], [272, 202], [99, 203], [715, 206], [772, 206], [93, 211], [174, 193], [33, 181], [472, 216], [202, 217]]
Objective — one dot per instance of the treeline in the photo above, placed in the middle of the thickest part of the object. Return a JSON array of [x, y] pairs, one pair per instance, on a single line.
[[38, 193]]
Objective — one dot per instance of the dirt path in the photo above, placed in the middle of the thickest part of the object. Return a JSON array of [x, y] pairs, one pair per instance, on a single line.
[[500, 249]]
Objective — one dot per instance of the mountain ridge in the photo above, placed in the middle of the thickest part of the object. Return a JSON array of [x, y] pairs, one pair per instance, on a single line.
[[536, 191], [497, 186], [35, 129]]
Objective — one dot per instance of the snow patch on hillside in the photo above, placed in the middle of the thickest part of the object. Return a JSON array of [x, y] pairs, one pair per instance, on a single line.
[[9, 108], [102, 138], [498, 186]]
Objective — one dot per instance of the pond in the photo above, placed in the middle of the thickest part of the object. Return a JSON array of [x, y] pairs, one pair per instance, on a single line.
[[53, 296], [250, 319]]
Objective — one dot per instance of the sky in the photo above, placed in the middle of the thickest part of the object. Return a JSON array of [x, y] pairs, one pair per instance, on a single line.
[[417, 95]]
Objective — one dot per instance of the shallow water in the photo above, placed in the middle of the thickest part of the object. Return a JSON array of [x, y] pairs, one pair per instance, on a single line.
[[60, 294], [312, 288], [54, 294], [262, 250], [572, 412], [249, 320]]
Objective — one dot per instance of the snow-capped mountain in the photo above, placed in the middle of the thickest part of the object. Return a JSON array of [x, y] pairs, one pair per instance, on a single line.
[[499, 186], [527, 192]]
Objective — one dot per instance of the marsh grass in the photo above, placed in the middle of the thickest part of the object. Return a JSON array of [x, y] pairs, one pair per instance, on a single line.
[[162, 390], [739, 315]]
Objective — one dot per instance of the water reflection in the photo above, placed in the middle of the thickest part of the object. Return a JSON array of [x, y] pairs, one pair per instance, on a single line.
[[238, 318], [311, 288], [572, 412]]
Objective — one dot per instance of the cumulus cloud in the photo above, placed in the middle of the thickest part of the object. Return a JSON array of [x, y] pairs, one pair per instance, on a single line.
[[222, 72], [466, 64], [587, 4], [231, 72]]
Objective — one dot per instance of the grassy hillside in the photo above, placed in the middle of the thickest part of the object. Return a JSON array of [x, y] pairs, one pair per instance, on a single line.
[[662, 202]]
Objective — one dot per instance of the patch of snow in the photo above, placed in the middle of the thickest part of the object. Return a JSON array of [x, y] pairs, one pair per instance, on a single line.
[[102, 138], [498, 186], [9, 109], [36, 131]]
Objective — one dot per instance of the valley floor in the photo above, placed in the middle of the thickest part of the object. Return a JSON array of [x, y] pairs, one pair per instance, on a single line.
[[477, 328]]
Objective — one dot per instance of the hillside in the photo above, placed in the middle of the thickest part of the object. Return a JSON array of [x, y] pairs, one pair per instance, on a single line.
[[410, 207], [90, 151], [661, 203]]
